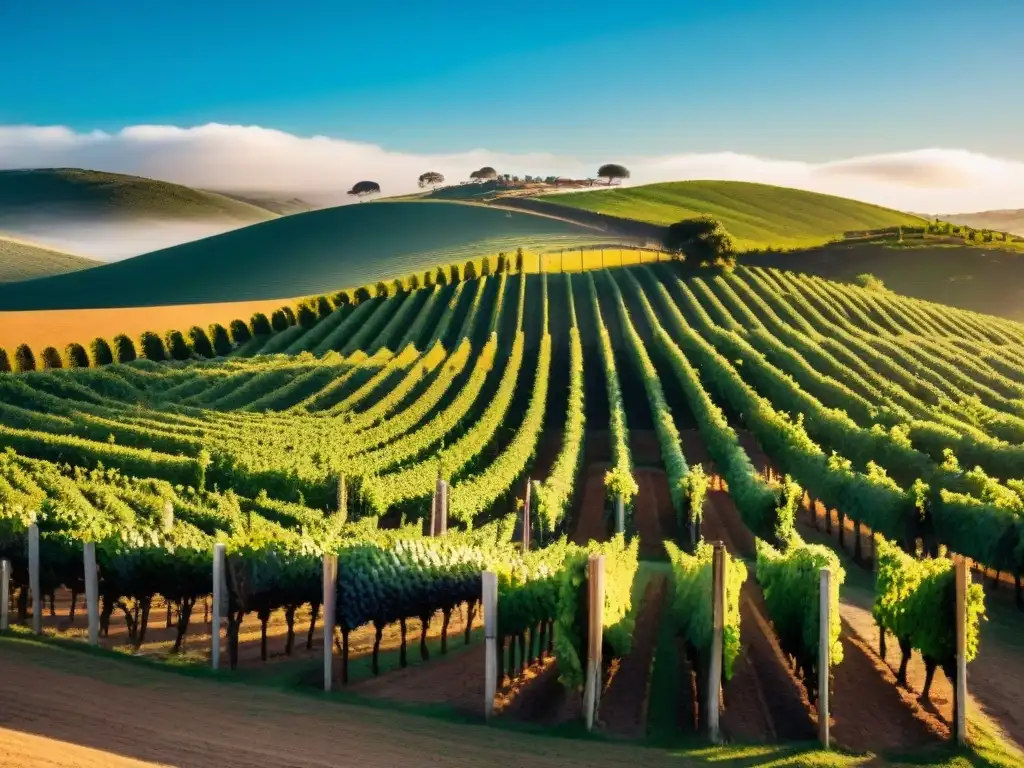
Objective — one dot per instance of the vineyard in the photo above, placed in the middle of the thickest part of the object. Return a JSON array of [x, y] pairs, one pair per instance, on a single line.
[[691, 430]]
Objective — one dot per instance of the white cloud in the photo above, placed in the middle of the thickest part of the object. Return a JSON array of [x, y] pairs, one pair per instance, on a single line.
[[251, 158]]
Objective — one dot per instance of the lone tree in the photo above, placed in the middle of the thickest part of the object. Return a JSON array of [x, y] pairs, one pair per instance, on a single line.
[[702, 239], [613, 172], [51, 359], [362, 189], [484, 174], [124, 349], [75, 356], [431, 179]]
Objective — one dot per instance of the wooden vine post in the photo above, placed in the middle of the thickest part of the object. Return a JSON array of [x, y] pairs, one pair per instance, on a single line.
[[717, 641], [595, 635], [92, 592], [526, 519], [439, 509], [5, 595], [960, 690], [33, 579], [330, 601], [824, 654], [219, 551], [490, 606], [620, 514]]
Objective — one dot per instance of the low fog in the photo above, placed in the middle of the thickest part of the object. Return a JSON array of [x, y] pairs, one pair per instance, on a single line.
[[114, 240]]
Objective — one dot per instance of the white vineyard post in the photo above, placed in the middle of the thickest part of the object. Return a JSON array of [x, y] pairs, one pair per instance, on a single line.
[[620, 514], [526, 518], [595, 631], [717, 640], [168, 518], [5, 595], [330, 601], [33, 579], [490, 606], [92, 592], [960, 716], [824, 654], [218, 603]]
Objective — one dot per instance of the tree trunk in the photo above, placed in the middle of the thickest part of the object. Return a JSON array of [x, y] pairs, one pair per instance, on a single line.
[[74, 599], [184, 615], [403, 661], [470, 613], [446, 616], [312, 626], [378, 633], [234, 625], [264, 616], [425, 626], [905, 650], [147, 603], [929, 674], [541, 632], [108, 609], [53, 606], [551, 637], [858, 553], [23, 604], [530, 646], [289, 619], [842, 529], [881, 642], [522, 652], [511, 657], [344, 655], [828, 520]]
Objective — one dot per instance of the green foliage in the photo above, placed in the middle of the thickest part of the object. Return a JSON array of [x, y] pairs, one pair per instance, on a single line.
[[279, 321], [124, 349], [100, 353], [620, 569], [324, 307], [703, 240], [529, 585], [177, 347], [869, 281], [613, 172], [259, 325], [200, 342], [5, 361], [220, 340], [50, 359], [692, 601], [24, 358], [307, 316], [152, 347], [75, 356]]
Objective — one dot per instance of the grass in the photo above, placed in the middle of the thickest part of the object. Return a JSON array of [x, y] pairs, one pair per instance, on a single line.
[[756, 215], [64, 193], [307, 253], [20, 260]]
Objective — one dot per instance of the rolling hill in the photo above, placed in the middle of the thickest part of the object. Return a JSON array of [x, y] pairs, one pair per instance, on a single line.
[[21, 260], [1001, 221], [344, 247], [756, 215]]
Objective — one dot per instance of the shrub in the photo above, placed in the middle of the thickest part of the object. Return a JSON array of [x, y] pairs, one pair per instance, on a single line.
[[50, 358], [381, 290], [703, 239], [469, 271], [324, 307], [869, 281], [177, 347], [152, 347], [99, 352], [289, 314], [307, 316], [259, 325], [124, 349], [24, 359], [200, 342], [397, 287], [362, 294], [279, 321], [341, 299], [5, 361], [75, 356], [239, 332], [428, 279], [454, 274], [441, 277], [220, 340]]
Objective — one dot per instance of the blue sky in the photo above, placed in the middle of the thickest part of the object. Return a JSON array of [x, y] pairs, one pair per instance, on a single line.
[[793, 79]]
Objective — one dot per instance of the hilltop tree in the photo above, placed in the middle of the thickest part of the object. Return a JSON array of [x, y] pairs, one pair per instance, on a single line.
[[24, 359], [363, 189], [259, 325], [307, 316], [152, 347], [124, 349], [469, 271], [239, 332], [200, 342], [324, 307], [363, 294], [613, 172], [454, 274], [413, 282], [5, 361], [99, 352], [289, 314], [428, 279], [703, 239], [177, 347], [341, 299], [75, 356], [441, 277], [485, 266], [484, 174], [431, 179], [381, 290], [50, 359], [279, 321], [220, 340]]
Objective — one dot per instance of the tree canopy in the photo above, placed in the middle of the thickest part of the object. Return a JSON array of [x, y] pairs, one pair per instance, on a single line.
[[362, 189], [431, 179], [703, 239], [613, 172], [124, 349], [484, 174]]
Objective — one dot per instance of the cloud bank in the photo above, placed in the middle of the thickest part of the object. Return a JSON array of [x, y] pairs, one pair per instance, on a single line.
[[251, 158]]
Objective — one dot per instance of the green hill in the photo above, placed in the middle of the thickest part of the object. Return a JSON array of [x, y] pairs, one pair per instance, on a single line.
[[69, 193], [302, 254], [756, 215], [1000, 221], [20, 260]]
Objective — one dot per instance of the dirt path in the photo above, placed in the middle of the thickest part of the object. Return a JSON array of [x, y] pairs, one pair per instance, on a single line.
[[73, 710], [623, 709]]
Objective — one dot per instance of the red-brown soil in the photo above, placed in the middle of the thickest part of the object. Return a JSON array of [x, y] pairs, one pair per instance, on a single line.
[[72, 710]]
